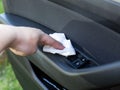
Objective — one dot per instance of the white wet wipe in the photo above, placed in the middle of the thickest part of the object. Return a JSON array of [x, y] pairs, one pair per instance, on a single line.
[[67, 51]]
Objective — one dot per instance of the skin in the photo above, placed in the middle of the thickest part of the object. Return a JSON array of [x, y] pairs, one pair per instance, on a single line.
[[23, 41]]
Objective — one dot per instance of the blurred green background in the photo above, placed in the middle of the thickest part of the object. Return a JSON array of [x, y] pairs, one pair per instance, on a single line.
[[1, 7], [8, 80]]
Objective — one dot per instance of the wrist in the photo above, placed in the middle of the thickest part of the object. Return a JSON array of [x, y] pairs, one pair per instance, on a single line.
[[8, 36]]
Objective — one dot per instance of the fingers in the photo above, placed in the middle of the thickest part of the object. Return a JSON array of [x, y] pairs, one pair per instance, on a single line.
[[47, 40]]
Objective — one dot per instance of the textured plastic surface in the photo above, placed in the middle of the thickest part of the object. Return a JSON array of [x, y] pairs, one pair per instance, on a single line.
[[102, 11]]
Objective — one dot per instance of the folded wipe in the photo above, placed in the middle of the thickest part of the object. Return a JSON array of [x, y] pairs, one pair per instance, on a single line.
[[67, 51]]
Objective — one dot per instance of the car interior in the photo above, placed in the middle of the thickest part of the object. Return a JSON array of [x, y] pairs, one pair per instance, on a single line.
[[93, 26]]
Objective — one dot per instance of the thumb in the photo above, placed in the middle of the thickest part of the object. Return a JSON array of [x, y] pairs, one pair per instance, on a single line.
[[47, 40]]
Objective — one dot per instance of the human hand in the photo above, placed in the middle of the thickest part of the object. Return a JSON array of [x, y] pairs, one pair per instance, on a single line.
[[27, 39], [24, 40]]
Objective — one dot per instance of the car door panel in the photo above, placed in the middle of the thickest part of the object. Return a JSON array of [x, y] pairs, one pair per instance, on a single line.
[[96, 42]]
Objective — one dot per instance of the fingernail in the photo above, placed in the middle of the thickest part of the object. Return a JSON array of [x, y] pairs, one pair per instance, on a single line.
[[61, 47]]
